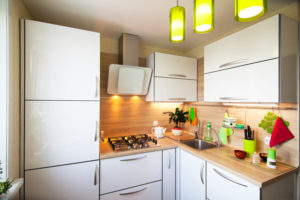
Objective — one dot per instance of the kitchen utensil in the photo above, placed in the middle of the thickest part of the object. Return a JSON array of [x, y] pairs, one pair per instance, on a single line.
[[263, 156], [195, 120], [249, 146], [280, 133], [240, 154], [158, 131]]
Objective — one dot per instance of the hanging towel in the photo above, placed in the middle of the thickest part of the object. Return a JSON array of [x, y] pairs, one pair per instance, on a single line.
[[224, 133], [195, 120], [280, 133]]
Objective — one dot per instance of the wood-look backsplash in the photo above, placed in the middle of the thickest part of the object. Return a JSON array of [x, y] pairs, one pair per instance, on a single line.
[[287, 152], [126, 115]]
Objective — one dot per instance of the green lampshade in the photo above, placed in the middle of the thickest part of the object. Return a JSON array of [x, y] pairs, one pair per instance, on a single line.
[[203, 16], [177, 24], [248, 10]]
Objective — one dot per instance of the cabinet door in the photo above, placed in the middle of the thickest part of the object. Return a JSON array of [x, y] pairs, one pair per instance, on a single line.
[[150, 191], [77, 181], [169, 89], [169, 174], [192, 177], [256, 43], [130, 171], [60, 132], [167, 65], [61, 63], [251, 83], [224, 185]]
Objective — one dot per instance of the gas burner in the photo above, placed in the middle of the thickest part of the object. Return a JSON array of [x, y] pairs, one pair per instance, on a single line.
[[132, 142]]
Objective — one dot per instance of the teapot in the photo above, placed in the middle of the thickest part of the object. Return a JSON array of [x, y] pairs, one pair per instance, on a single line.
[[158, 131]]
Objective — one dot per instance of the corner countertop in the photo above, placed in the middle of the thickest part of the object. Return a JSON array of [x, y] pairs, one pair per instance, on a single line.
[[222, 157]]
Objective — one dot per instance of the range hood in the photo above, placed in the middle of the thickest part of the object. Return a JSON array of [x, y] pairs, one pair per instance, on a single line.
[[128, 78]]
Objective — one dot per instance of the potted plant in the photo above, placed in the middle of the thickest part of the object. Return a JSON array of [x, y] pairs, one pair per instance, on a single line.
[[4, 186], [178, 117]]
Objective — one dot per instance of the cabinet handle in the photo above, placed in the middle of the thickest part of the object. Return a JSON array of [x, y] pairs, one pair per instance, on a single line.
[[95, 174], [97, 87], [177, 98], [201, 173], [169, 164], [96, 131], [177, 75], [233, 63], [233, 98], [132, 192], [229, 179], [136, 158]]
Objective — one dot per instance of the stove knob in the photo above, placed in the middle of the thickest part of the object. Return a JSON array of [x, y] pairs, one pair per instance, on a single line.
[[146, 145], [141, 146], [134, 146]]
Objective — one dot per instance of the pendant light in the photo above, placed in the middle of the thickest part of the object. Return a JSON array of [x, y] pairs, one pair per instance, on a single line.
[[177, 24], [248, 10], [203, 16]]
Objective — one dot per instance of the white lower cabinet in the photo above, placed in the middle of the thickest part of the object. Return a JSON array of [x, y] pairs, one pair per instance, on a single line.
[[68, 182], [169, 168], [223, 185], [150, 191], [192, 177]]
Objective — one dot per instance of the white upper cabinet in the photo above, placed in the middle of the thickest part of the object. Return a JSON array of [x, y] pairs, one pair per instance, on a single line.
[[174, 78], [172, 66], [256, 43], [257, 64], [61, 63]]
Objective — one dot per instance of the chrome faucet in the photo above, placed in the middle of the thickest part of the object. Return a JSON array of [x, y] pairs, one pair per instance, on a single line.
[[218, 140], [197, 133]]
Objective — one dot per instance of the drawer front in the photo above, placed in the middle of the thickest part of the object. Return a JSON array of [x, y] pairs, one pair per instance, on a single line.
[[173, 66], [150, 191], [224, 185], [176, 90], [129, 171]]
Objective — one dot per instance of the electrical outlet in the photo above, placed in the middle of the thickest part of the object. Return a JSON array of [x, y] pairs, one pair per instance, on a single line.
[[267, 140]]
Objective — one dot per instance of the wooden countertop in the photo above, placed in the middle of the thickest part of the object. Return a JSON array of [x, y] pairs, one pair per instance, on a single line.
[[222, 157]]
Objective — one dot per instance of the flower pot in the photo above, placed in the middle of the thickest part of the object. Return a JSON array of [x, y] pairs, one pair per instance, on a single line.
[[177, 131]]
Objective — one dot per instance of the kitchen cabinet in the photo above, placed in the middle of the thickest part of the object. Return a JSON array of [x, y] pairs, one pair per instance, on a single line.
[[174, 78], [192, 178], [60, 132], [169, 169], [150, 191], [129, 171], [266, 50], [78, 181], [224, 185], [62, 63]]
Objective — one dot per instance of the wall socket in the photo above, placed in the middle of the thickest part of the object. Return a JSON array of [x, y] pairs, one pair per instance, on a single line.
[[267, 140]]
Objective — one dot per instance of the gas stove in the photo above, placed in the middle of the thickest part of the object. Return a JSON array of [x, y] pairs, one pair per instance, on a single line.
[[132, 142]]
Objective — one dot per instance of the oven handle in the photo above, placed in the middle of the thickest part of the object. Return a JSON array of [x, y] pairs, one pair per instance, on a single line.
[[135, 158]]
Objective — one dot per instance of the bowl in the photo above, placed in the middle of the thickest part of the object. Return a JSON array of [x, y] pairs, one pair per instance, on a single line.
[[263, 156], [240, 154]]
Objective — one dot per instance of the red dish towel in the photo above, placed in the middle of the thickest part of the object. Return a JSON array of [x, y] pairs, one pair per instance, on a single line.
[[280, 133]]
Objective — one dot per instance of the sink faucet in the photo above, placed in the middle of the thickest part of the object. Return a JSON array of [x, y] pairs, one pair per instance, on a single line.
[[197, 133], [218, 140]]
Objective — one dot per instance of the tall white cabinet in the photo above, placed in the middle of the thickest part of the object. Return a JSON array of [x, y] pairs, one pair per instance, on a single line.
[[60, 99]]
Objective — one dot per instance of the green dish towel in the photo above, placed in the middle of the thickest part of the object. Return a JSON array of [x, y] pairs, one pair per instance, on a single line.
[[224, 133], [192, 115]]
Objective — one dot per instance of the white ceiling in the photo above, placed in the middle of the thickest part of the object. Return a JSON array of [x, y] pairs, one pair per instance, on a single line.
[[147, 18]]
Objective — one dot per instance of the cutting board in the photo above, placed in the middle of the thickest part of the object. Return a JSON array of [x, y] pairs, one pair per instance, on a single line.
[[183, 136]]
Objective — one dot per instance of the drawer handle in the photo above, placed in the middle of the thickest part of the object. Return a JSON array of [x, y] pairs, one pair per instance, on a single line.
[[97, 87], [136, 158], [233, 98], [177, 98], [95, 174], [222, 175], [96, 131], [169, 164], [233, 63], [201, 173], [177, 75], [133, 192]]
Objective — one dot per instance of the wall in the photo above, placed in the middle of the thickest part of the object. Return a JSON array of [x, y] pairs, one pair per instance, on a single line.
[[17, 10], [250, 115], [125, 115], [291, 11]]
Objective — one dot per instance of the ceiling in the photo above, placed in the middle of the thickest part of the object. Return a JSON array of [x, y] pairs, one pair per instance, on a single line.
[[147, 18]]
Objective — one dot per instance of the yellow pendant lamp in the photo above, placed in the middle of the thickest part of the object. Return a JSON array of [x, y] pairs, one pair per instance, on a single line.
[[248, 10], [177, 24], [203, 16]]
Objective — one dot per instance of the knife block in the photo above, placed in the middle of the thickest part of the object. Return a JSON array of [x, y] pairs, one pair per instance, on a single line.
[[249, 147]]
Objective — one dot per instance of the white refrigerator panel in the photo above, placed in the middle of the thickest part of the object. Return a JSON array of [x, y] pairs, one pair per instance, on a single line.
[[61, 63], [69, 182], [60, 132]]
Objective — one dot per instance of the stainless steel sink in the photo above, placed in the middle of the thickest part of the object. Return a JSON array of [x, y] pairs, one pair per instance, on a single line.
[[199, 144]]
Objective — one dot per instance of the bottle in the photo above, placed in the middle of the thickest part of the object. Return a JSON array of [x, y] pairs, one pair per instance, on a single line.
[[271, 160], [208, 133], [255, 159]]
